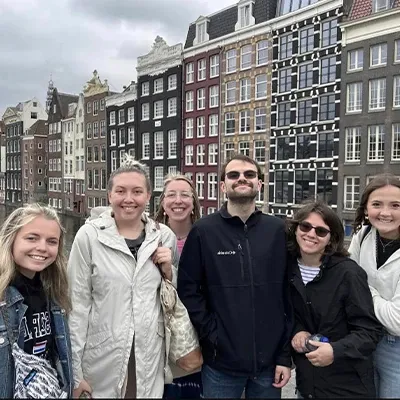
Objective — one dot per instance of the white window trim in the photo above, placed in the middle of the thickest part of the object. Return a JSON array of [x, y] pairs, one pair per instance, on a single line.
[[201, 20], [242, 4]]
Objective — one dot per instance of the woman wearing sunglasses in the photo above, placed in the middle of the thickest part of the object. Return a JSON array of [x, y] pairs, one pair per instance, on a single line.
[[330, 297]]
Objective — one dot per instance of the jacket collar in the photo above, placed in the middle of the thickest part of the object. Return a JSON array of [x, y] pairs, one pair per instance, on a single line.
[[253, 218], [12, 296]]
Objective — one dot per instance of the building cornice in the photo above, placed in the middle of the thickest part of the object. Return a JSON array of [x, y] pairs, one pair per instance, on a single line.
[[310, 11], [121, 98]]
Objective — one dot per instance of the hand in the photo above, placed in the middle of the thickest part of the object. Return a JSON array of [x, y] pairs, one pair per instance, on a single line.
[[163, 257], [299, 341], [323, 356], [83, 387], [282, 376]]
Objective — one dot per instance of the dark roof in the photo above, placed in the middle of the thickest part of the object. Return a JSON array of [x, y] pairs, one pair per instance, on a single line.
[[38, 128], [64, 100], [363, 8], [223, 23]]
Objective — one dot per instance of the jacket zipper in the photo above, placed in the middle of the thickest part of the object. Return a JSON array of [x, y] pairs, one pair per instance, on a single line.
[[252, 300], [241, 255]]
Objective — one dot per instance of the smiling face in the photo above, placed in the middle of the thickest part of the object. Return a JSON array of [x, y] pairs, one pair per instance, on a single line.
[[36, 245], [241, 189], [309, 242], [383, 211], [128, 196], [178, 201]]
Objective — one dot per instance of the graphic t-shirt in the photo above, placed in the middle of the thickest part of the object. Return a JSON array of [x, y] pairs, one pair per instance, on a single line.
[[36, 322]]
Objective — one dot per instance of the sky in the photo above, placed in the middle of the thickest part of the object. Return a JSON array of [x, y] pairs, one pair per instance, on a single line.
[[68, 39]]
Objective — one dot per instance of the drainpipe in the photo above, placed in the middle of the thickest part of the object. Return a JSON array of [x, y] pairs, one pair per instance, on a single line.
[[220, 151]]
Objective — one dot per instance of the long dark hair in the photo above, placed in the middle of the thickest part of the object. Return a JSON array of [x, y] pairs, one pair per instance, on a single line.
[[378, 182], [335, 245]]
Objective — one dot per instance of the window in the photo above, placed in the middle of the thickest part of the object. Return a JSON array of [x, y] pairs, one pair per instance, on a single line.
[[200, 185], [189, 72], [214, 96], [329, 33], [213, 125], [158, 145], [244, 148], [172, 141], [397, 51], [89, 108], [245, 89], [355, 60], [376, 143], [131, 114], [354, 97], [351, 192], [212, 186], [231, 61], [189, 128], [113, 137], [95, 107], [244, 14], [378, 55], [201, 32], [189, 101], [172, 107], [261, 86], [201, 127], [122, 137], [121, 116], [145, 88], [325, 144], [304, 111], [172, 82], [281, 187], [158, 178], [201, 69], [379, 5], [303, 144], [396, 142], [201, 99], [214, 66], [324, 185], [353, 144], [172, 170], [302, 185], [200, 154], [327, 107], [229, 150], [95, 130], [259, 151], [328, 69], [158, 85], [284, 114], [189, 155], [158, 109], [103, 152], [244, 119], [88, 130], [245, 56], [285, 80], [396, 91], [131, 134], [377, 94], [285, 46], [306, 39], [213, 154], [230, 92], [145, 111], [229, 123], [260, 117], [146, 145], [102, 128], [34, 115], [262, 52], [102, 104], [305, 75]]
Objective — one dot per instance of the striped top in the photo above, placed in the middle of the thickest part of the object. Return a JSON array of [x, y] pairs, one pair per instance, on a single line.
[[307, 273]]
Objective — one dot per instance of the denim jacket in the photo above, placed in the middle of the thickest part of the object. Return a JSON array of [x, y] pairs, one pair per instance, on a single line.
[[16, 310]]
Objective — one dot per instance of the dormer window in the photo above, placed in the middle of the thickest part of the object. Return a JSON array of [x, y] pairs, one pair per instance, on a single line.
[[379, 5], [201, 30], [245, 14]]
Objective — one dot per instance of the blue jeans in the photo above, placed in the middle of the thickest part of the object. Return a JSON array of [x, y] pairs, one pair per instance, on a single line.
[[217, 384], [387, 367]]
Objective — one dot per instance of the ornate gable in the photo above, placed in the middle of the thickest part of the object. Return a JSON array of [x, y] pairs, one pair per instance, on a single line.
[[95, 86]]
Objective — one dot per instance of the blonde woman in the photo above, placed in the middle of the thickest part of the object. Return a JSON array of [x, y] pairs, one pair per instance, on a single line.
[[117, 328], [180, 209], [34, 302]]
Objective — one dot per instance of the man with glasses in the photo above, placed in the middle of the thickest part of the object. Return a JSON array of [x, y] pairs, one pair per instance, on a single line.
[[232, 279]]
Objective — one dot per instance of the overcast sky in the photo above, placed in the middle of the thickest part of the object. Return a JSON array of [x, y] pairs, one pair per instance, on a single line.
[[71, 38]]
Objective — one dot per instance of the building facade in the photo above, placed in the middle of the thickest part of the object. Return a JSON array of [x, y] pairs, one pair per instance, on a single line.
[[159, 75], [2, 162], [305, 110], [370, 101], [95, 93]]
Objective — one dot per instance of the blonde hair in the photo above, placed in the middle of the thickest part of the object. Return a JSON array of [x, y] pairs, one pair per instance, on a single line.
[[54, 277], [161, 215]]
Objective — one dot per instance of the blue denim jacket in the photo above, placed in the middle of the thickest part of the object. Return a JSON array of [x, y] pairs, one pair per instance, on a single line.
[[16, 310]]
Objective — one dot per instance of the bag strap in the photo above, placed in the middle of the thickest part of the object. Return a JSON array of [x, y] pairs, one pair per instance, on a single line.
[[159, 245], [365, 233], [10, 333]]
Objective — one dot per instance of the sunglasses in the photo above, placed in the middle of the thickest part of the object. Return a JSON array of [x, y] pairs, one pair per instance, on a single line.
[[249, 174], [319, 230]]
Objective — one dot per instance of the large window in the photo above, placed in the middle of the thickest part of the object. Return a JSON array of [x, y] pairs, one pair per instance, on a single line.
[[158, 178], [262, 52], [353, 144], [158, 109], [260, 117], [172, 107], [396, 142], [200, 154], [285, 46], [380, 5], [189, 155], [396, 91], [304, 111], [189, 101], [327, 107], [245, 56], [230, 123], [201, 127], [306, 39], [189, 128], [261, 86], [172, 82], [284, 151], [259, 151], [213, 154], [145, 111], [328, 69], [158, 85], [229, 150], [212, 185], [284, 114], [214, 66], [378, 55], [189, 72], [213, 96], [305, 75], [172, 141], [376, 143], [201, 69], [285, 80], [325, 144], [351, 192], [245, 89], [303, 144], [146, 145], [354, 97], [244, 148], [244, 121], [200, 185], [281, 187], [377, 94], [329, 33], [230, 92], [213, 125], [302, 185], [324, 185], [231, 60], [355, 60], [201, 99]]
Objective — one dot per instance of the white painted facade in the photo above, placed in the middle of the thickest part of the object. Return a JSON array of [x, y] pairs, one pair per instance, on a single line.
[[79, 145], [32, 111]]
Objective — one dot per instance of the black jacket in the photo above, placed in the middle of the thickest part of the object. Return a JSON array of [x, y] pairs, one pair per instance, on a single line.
[[232, 279], [337, 304]]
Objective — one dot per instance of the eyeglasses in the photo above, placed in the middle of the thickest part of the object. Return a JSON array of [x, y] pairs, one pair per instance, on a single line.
[[319, 230], [249, 174], [183, 195]]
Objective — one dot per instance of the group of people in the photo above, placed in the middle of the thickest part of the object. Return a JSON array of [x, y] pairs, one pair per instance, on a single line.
[[264, 295]]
